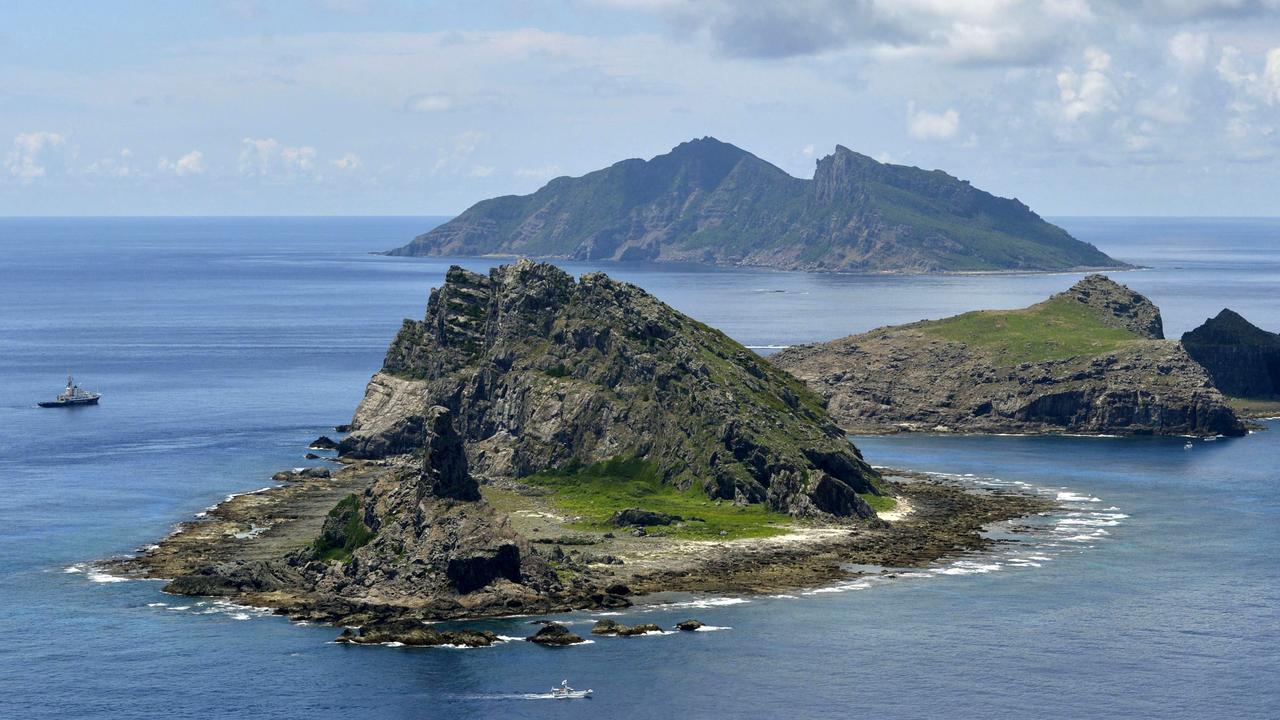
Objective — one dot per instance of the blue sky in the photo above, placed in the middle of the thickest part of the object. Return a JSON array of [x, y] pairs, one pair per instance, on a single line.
[[1077, 107]]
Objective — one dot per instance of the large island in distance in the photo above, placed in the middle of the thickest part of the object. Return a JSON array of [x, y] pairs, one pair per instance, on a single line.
[[707, 201]]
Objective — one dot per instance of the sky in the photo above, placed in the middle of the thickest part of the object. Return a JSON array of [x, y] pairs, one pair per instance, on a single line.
[[374, 107]]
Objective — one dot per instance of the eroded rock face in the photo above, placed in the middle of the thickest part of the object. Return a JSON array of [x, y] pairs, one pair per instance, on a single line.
[[1119, 306], [907, 378], [430, 537], [540, 372], [1242, 359]]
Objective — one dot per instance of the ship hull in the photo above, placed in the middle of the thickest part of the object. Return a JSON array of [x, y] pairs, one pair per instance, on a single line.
[[68, 403]]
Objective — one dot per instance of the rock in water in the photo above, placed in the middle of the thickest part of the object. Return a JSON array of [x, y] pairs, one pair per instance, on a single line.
[[542, 372], [1088, 360], [708, 201], [554, 634], [414, 633], [1242, 359], [324, 442], [688, 625]]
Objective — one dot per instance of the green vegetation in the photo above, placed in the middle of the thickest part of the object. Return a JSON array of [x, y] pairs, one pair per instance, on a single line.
[[596, 492], [879, 503], [344, 531], [1056, 329]]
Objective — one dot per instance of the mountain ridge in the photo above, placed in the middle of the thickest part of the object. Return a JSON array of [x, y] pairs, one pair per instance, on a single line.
[[711, 202]]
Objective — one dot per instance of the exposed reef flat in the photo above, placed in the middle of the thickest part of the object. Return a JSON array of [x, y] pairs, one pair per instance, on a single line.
[[237, 550], [1091, 359]]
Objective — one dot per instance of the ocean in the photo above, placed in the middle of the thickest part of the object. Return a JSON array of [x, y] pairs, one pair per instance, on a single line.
[[223, 345]]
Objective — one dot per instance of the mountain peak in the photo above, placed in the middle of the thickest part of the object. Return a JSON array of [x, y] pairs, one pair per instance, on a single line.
[[712, 202]]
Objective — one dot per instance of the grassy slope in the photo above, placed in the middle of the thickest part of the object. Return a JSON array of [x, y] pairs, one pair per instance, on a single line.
[[596, 492], [1056, 329]]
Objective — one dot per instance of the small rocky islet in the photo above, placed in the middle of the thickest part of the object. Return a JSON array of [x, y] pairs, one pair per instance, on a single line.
[[538, 444]]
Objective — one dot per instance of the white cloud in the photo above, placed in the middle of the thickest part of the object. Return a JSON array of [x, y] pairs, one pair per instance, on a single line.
[[454, 157], [924, 125], [807, 150], [119, 165], [429, 103], [302, 159], [1088, 92], [348, 161], [191, 163], [546, 172], [1237, 72], [262, 157], [481, 171], [1189, 49], [30, 152]]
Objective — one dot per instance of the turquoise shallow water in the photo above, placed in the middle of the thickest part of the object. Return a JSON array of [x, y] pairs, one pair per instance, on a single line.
[[223, 345]]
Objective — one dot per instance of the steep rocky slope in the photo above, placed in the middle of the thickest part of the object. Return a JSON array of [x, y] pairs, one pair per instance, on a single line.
[[1242, 359], [1089, 360], [708, 201], [542, 372]]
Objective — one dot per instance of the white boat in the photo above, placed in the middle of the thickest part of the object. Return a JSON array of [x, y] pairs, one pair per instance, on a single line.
[[1188, 446], [564, 692]]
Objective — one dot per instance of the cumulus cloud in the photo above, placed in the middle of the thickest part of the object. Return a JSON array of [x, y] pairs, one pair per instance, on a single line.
[[31, 152], [348, 161], [924, 125], [120, 165], [263, 157], [1189, 49], [429, 103], [1089, 91], [191, 163]]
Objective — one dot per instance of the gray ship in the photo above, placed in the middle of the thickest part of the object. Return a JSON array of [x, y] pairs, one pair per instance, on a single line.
[[73, 395]]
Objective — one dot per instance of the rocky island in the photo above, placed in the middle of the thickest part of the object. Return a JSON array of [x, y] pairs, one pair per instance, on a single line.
[[1092, 359], [538, 443], [707, 201]]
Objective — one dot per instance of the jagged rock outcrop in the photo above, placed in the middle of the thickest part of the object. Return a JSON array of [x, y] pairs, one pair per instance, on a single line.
[[1118, 306], [1084, 361], [542, 372], [425, 536], [1242, 359], [708, 201]]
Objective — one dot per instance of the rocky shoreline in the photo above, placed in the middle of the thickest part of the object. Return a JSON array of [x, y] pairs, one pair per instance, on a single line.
[[234, 552]]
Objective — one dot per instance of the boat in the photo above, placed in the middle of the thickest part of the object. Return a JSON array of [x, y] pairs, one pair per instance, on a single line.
[[1188, 446], [72, 396], [564, 692]]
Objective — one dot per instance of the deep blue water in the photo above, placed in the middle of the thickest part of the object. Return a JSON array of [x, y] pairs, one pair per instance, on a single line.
[[223, 345]]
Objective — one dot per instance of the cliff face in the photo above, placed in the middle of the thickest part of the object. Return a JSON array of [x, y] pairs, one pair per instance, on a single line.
[[423, 537], [708, 201], [1085, 361], [542, 372], [1242, 359]]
